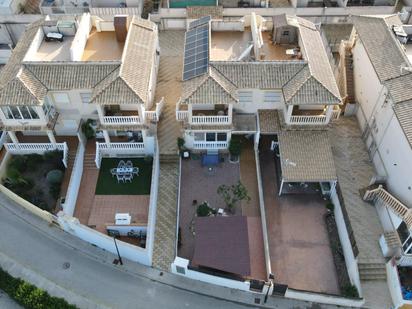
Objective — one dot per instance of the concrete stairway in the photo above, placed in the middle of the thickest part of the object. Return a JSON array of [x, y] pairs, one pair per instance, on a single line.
[[168, 158], [71, 158], [349, 77], [88, 162], [374, 271]]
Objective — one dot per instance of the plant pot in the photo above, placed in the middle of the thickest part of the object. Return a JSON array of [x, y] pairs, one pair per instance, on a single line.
[[234, 158]]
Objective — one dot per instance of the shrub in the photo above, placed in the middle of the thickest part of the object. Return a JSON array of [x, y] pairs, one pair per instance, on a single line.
[[55, 157], [54, 190], [148, 159], [19, 163], [34, 159], [203, 210], [29, 296], [54, 177], [180, 143], [88, 129], [330, 206], [233, 194], [350, 290]]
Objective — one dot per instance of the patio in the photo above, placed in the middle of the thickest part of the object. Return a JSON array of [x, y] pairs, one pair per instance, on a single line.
[[198, 183], [299, 248], [98, 210]]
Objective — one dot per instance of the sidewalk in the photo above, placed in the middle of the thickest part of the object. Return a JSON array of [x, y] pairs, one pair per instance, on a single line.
[[7, 302]]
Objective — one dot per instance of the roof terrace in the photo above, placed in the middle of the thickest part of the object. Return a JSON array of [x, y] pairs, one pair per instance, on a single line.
[[237, 45], [87, 39]]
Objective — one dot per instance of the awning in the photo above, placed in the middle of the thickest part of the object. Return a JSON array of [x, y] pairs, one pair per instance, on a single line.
[[306, 156]]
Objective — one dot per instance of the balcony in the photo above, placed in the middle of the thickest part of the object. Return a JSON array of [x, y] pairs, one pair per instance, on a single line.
[[220, 115], [210, 145], [313, 117]]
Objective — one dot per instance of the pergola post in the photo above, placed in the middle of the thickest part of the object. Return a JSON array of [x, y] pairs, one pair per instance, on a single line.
[[281, 187], [333, 186]]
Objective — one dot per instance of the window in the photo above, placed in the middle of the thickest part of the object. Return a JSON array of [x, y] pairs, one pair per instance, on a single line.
[[86, 97], [245, 97], [61, 98], [19, 112], [210, 137], [199, 137], [47, 107], [286, 32], [271, 96], [180, 270], [221, 137]]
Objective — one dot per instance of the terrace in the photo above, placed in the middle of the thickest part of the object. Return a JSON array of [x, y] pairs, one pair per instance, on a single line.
[[101, 197], [299, 247], [230, 45], [200, 183], [102, 46]]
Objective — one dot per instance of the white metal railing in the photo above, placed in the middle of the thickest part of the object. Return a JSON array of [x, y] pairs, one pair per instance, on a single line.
[[155, 115], [116, 149], [181, 115], [308, 120], [391, 202], [336, 113], [210, 145], [75, 180], [40, 148], [126, 120], [210, 119]]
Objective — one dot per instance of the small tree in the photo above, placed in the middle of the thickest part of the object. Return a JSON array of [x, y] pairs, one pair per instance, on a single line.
[[235, 148], [180, 143], [88, 129], [233, 194]]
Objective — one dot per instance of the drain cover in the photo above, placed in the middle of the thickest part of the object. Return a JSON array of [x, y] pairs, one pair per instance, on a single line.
[[66, 265]]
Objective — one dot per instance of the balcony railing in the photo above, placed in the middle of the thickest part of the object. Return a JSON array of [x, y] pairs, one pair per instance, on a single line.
[[119, 120], [117, 149], [210, 120], [40, 148], [210, 145], [308, 120]]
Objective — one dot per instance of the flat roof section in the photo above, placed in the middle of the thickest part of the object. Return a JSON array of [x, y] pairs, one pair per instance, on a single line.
[[102, 46], [54, 50]]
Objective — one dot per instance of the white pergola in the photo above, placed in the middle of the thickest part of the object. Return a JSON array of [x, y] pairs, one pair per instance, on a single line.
[[306, 156]]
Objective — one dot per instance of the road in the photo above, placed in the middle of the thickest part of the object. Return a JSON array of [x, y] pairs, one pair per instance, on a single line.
[[94, 282]]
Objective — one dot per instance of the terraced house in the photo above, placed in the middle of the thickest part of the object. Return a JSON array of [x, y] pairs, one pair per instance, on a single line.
[[85, 85]]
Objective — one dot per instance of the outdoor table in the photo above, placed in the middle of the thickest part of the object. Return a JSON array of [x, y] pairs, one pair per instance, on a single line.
[[124, 170]]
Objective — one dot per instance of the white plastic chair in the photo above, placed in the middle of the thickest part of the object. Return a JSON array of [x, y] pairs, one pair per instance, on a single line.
[[120, 178], [121, 163], [128, 178], [129, 163], [135, 171]]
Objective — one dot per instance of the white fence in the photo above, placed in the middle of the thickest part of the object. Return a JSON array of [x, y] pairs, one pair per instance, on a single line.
[[155, 115], [210, 119], [324, 298], [128, 120], [310, 120], [210, 145], [182, 115], [40, 148], [126, 250], [113, 149], [75, 180], [153, 203], [395, 286], [350, 260]]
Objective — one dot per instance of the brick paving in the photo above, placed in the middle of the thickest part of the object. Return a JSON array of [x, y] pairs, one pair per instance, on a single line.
[[169, 86], [354, 171], [165, 232]]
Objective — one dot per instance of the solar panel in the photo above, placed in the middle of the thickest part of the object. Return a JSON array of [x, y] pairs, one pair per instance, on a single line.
[[199, 22], [196, 58]]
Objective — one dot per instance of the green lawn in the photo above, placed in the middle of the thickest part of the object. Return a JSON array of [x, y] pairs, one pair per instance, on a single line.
[[140, 185]]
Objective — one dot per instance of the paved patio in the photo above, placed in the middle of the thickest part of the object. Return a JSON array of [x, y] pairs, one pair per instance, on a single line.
[[198, 184], [298, 241]]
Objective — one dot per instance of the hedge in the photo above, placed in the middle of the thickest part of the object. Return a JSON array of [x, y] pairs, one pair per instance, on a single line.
[[29, 296]]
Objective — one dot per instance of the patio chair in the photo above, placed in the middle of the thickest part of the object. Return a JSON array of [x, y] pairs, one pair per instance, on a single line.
[[135, 171], [128, 178], [129, 163], [120, 178], [113, 172]]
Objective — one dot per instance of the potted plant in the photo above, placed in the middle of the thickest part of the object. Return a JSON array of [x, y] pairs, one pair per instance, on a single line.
[[235, 148], [182, 149], [233, 194], [203, 210], [88, 129]]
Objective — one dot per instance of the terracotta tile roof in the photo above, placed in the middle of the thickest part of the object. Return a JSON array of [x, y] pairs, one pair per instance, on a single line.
[[306, 156], [195, 12], [269, 121], [210, 88]]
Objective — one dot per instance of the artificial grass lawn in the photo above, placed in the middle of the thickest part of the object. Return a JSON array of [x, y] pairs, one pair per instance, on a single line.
[[108, 185]]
